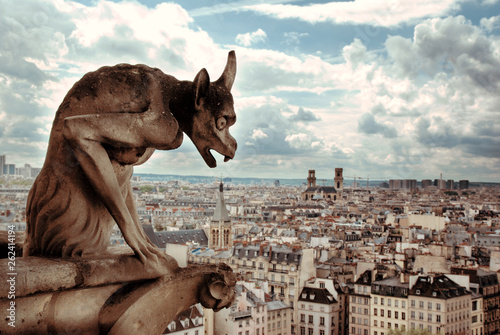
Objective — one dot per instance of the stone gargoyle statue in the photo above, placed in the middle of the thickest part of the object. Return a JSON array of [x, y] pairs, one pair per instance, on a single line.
[[110, 120]]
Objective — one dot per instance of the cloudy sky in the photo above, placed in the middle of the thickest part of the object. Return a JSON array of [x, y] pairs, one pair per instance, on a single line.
[[384, 89]]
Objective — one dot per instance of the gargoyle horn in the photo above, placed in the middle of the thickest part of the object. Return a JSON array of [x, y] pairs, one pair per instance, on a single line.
[[227, 77]]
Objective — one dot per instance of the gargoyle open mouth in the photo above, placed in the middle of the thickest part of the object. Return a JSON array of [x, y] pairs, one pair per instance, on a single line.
[[210, 160]]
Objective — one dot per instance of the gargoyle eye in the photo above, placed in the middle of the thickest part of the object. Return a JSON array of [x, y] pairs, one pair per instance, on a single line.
[[221, 123]]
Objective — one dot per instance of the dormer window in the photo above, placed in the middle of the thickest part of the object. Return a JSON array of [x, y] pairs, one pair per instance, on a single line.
[[312, 296], [304, 295], [418, 292]]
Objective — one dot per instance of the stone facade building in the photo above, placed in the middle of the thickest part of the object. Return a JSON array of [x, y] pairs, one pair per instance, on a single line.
[[321, 308]]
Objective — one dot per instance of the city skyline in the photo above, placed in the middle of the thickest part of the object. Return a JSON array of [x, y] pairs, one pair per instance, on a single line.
[[384, 89]]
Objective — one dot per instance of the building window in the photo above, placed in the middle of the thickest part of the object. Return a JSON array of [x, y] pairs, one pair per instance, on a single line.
[[396, 315], [382, 301], [375, 311], [388, 313], [412, 315], [311, 319], [438, 318], [388, 302], [381, 312], [403, 315], [321, 284], [403, 304], [321, 321], [375, 300], [429, 306], [375, 323], [302, 318], [421, 304], [438, 307], [413, 303], [429, 317]]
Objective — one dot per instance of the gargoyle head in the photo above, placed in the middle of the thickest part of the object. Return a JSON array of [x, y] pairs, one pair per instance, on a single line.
[[214, 114]]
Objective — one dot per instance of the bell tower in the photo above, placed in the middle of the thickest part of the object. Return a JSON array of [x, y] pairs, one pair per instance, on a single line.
[[339, 180], [311, 179], [220, 235]]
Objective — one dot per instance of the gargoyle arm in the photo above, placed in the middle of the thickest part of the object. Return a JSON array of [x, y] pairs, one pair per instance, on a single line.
[[87, 135]]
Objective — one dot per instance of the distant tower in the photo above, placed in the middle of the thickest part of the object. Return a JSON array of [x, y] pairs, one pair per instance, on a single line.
[[339, 179], [2, 164], [311, 180], [220, 226]]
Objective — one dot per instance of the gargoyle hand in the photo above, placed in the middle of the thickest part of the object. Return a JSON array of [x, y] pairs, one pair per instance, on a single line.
[[218, 292]]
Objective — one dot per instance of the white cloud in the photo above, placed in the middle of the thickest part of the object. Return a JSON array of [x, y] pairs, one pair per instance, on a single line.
[[251, 38], [258, 134], [490, 24], [372, 12]]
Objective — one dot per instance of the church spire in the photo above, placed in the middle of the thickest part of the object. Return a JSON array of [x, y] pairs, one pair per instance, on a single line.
[[220, 226]]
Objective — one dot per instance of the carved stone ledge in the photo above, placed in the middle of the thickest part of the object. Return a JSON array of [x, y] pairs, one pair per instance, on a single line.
[[109, 295]]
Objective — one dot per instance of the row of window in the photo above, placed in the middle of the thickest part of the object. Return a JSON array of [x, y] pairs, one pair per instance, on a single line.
[[389, 313], [310, 319]]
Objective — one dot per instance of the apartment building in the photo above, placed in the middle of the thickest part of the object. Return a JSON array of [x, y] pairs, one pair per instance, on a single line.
[[477, 313], [247, 315], [389, 305], [321, 308], [284, 269], [189, 322], [279, 318], [488, 287], [359, 305], [439, 305]]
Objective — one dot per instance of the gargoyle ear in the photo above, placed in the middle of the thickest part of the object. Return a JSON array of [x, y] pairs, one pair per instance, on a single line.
[[201, 83], [227, 77]]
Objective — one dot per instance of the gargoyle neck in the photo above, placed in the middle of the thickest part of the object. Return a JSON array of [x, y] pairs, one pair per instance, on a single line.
[[181, 105]]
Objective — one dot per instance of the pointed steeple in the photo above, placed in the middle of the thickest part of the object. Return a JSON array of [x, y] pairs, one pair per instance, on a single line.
[[220, 213]]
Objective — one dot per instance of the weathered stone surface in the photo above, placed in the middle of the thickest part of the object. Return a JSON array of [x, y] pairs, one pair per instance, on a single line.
[[110, 120], [39, 274], [100, 303]]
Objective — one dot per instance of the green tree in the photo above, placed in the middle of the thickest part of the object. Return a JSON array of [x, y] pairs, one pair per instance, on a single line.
[[146, 188]]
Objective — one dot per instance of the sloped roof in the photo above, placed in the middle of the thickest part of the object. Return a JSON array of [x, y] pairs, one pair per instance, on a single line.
[[319, 189], [276, 305], [220, 212], [161, 238], [439, 287], [317, 295]]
